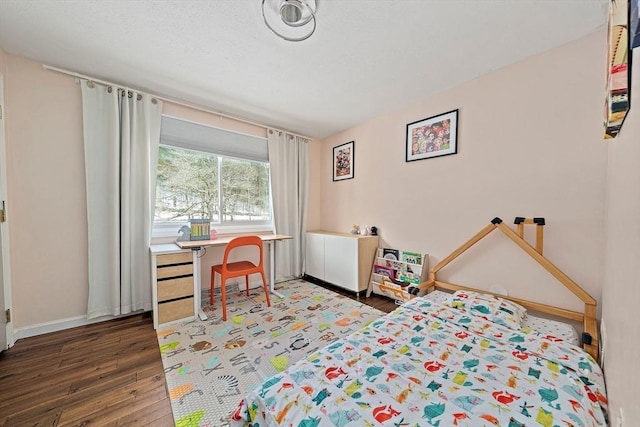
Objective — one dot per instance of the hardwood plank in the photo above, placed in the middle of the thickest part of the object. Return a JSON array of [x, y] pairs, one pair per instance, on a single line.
[[96, 342], [17, 403], [153, 369], [48, 419], [166, 421], [107, 352], [149, 415], [46, 377], [107, 407], [109, 382], [51, 402]]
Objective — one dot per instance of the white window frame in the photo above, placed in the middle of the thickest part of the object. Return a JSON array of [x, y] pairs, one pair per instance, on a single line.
[[164, 230]]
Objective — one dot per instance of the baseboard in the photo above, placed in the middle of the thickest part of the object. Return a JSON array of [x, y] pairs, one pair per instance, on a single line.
[[62, 324]]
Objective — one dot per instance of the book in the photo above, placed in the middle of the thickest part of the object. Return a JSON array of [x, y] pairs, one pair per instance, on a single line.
[[384, 271], [412, 257], [392, 254], [406, 277], [398, 265]]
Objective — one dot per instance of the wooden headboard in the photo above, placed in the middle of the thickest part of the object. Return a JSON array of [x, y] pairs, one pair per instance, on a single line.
[[590, 336]]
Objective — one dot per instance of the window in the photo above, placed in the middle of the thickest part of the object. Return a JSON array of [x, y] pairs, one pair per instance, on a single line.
[[205, 172]]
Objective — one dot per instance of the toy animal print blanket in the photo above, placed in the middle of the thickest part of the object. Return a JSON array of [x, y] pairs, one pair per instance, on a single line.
[[430, 364]]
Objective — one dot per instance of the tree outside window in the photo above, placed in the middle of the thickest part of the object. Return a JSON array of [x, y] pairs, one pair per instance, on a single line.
[[193, 184]]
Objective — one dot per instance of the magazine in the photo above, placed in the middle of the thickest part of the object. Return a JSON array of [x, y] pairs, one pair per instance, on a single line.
[[412, 257], [384, 271], [403, 276], [392, 254], [399, 266]]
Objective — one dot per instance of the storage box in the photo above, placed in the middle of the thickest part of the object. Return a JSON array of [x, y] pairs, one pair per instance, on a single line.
[[200, 229]]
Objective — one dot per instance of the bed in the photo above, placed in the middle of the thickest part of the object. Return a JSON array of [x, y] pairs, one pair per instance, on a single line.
[[464, 358], [563, 330]]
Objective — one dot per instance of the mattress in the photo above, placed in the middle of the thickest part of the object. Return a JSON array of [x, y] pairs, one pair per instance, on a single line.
[[544, 326], [427, 363]]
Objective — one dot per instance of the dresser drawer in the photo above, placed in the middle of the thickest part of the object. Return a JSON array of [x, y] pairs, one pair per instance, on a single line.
[[175, 271], [179, 258], [175, 288], [175, 310]]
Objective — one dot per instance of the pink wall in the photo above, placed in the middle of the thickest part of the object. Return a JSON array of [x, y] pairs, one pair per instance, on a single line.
[[529, 145], [46, 194], [314, 208], [621, 288]]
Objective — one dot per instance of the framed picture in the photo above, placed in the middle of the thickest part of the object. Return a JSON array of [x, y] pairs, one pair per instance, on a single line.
[[343, 161], [433, 137]]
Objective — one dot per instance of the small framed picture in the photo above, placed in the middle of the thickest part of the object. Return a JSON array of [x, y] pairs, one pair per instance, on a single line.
[[343, 161], [433, 137]]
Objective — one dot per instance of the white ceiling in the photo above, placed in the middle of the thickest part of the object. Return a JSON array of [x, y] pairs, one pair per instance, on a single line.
[[366, 58]]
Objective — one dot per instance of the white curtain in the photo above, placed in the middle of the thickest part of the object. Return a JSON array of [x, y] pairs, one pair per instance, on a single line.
[[121, 134], [288, 166]]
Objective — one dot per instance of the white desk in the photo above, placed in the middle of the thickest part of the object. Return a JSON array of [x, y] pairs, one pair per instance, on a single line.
[[196, 245]]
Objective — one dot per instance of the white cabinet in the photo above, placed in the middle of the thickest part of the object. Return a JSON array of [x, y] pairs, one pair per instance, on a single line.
[[314, 258], [340, 259]]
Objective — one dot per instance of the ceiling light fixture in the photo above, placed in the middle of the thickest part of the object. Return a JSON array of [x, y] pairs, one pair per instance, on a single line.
[[292, 20]]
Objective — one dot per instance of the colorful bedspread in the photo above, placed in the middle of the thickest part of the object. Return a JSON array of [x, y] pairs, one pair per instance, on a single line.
[[430, 364]]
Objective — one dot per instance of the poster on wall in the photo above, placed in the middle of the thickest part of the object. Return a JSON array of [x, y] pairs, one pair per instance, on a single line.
[[618, 69], [343, 161], [432, 137]]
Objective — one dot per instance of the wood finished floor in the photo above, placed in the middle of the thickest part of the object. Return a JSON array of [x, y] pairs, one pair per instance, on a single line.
[[105, 374]]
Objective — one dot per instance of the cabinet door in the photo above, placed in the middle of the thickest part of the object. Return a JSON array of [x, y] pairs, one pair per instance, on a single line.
[[341, 261], [314, 257]]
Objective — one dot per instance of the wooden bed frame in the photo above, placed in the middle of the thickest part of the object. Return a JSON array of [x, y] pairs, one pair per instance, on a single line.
[[590, 336]]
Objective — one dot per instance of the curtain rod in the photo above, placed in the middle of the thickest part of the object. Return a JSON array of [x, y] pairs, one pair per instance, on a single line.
[[173, 101]]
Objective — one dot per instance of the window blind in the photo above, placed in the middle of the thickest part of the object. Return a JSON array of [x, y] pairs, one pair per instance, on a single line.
[[193, 136]]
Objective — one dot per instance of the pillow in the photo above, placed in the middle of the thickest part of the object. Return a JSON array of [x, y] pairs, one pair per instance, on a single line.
[[495, 309]]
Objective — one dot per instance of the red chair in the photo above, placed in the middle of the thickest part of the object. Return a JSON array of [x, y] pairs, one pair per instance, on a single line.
[[228, 270]]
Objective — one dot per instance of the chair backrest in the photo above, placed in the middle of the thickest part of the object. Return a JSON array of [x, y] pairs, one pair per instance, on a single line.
[[240, 241]]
